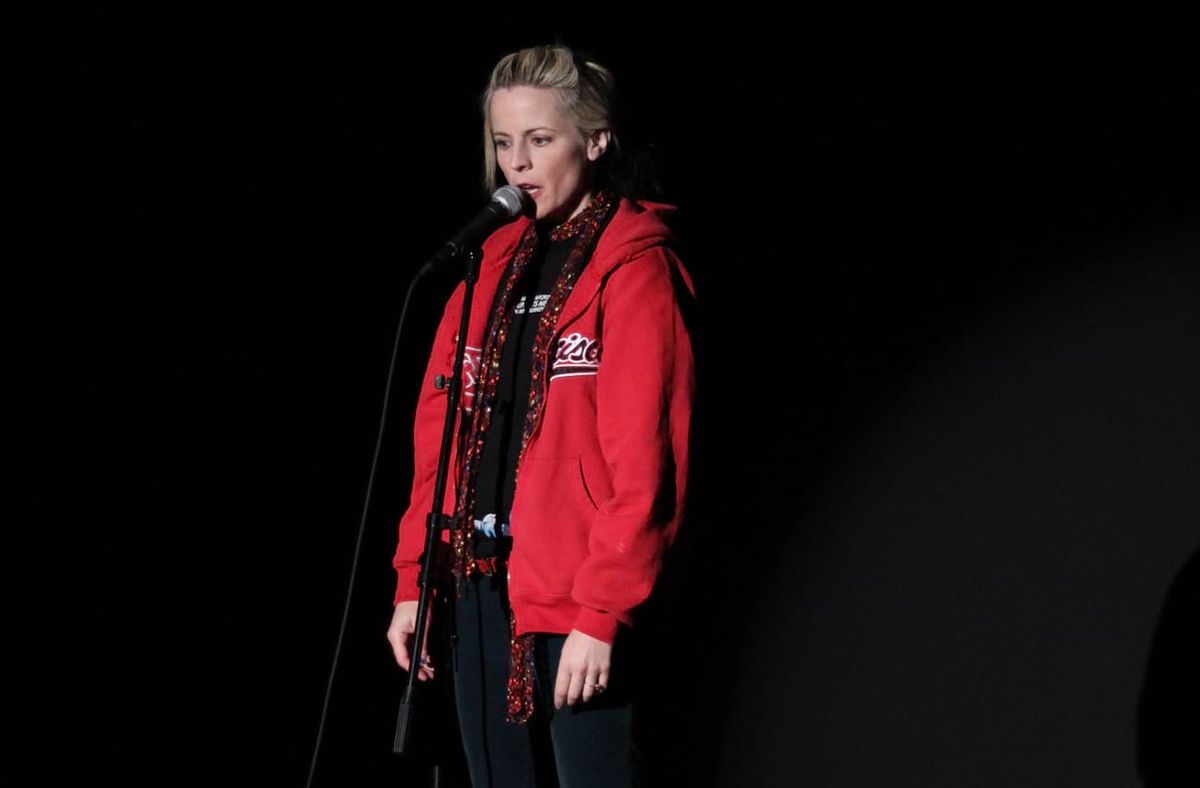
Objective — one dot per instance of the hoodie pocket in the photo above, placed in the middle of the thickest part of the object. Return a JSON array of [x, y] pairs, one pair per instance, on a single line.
[[551, 521], [585, 490], [560, 487]]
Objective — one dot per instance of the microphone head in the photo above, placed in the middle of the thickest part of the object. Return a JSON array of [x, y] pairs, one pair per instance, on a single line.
[[514, 200]]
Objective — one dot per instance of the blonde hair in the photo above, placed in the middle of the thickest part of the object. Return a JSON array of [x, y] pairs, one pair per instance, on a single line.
[[586, 90]]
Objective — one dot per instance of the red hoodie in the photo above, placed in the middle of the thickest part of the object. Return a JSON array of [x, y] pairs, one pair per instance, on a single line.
[[602, 482]]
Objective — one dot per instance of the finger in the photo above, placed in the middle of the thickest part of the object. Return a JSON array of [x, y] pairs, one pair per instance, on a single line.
[[562, 683], [602, 681], [576, 689], [425, 642], [400, 649], [425, 669], [589, 687]]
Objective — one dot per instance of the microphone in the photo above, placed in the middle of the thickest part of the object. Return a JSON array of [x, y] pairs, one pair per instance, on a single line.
[[507, 203]]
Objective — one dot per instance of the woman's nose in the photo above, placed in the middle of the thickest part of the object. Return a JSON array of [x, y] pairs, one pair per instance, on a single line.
[[520, 157]]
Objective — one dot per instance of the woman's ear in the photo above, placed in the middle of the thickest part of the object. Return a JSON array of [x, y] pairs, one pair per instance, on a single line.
[[597, 143]]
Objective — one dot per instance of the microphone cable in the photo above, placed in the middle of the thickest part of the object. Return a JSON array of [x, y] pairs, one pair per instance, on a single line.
[[362, 524]]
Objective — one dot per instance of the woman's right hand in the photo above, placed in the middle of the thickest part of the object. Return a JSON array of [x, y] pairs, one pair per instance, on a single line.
[[400, 635]]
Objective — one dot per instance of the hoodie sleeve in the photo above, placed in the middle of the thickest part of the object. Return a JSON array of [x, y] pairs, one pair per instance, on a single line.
[[427, 437], [645, 389]]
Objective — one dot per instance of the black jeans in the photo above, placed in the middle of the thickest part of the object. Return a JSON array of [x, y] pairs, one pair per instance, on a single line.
[[589, 744]]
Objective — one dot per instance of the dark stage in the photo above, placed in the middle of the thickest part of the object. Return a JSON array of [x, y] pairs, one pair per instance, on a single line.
[[947, 452]]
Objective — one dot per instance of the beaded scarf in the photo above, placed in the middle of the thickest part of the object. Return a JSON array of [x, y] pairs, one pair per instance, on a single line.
[[585, 227]]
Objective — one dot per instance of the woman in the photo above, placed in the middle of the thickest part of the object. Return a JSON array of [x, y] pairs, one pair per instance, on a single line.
[[572, 448]]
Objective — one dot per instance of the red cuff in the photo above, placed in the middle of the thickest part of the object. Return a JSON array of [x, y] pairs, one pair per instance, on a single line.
[[408, 573], [597, 623], [406, 584]]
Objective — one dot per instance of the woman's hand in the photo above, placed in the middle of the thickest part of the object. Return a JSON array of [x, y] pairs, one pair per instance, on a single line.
[[400, 635], [584, 664]]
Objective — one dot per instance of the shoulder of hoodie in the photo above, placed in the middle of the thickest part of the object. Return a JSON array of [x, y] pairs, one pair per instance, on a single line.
[[638, 225]]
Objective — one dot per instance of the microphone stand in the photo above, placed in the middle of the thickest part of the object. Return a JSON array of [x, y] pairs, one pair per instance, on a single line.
[[436, 520]]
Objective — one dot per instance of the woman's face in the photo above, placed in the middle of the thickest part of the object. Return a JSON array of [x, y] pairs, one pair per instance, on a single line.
[[542, 151]]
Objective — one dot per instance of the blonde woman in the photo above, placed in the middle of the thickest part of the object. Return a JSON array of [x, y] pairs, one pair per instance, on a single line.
[[571, 462]]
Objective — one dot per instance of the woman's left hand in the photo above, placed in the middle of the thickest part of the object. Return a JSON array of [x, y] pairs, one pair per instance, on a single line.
[[583, 665]]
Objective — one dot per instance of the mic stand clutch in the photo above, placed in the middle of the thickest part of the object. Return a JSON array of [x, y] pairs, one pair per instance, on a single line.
[[436, 520]]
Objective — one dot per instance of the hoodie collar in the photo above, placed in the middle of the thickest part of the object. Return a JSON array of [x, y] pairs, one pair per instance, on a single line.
[[635, 226]]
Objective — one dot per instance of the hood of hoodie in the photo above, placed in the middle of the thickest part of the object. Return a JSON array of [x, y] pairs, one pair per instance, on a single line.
[[636, 226]]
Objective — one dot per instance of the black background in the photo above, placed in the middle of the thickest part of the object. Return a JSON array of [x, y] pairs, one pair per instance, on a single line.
[[947, 456]]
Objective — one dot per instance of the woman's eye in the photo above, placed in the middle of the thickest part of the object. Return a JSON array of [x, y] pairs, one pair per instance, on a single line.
[[501, 143], [541, 140]]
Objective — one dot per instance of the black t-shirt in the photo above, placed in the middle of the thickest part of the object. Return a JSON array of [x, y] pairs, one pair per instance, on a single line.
[[495, 482]]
